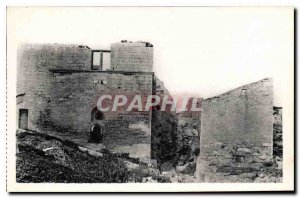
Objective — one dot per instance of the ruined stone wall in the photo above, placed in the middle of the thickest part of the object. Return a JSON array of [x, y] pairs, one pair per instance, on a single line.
[[236, 127], [77, 94], [34, 78], [163, 128], [188, 138], [60, 90], [188, 131], [277, 133], [136, 56], [164, 136]]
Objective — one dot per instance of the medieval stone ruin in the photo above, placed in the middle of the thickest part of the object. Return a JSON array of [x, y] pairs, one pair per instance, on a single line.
[[58, 87]]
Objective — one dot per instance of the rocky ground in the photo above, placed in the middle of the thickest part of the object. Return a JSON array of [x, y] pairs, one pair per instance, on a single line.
[[253, 171], [267, 172], [44, 159]]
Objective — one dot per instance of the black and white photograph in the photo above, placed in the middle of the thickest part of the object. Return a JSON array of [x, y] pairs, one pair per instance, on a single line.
[[158, 99]]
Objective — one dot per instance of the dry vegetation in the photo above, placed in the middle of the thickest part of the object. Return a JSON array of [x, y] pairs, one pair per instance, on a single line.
[[42, 159]]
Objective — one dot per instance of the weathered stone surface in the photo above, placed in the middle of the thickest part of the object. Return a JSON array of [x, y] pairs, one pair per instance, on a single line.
[[167, 166], [188, 130], [277, 132], [128, 56], [163, 129], [242, 121], [153, 163], [245, 150], [188, 168], [59, 89], [57, 86], [149, 180]]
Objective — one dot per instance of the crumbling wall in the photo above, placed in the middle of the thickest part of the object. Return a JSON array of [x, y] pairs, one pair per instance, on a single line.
[[128, 56], [59, 89], [163, 128], [236, 127], [74, 95], [175, 136], [188, 131], [164, 136], [188, 141], [277, 133], [34, 76]]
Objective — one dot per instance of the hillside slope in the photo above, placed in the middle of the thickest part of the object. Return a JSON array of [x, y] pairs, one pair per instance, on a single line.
[[46, 159]]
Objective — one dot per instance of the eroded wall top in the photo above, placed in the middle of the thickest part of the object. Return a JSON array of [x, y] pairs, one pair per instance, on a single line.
[[128, 56], [236, 127]]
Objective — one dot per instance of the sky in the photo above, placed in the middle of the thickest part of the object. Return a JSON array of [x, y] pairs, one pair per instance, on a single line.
[[200, 52]]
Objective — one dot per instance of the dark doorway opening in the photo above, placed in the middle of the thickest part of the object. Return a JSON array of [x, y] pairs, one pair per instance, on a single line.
[[23, 118], [96, 131], [96, 115]]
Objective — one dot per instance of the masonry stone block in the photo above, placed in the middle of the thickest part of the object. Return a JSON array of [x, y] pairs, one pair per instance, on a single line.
[[242, 121], [128, 56], [59, 89]]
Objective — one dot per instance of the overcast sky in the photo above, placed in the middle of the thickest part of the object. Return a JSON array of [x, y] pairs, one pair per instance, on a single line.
[[197, 51]]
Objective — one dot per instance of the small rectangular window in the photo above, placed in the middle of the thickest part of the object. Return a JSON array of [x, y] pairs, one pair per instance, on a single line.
[[105, 61], [100, 60], [96, 65]]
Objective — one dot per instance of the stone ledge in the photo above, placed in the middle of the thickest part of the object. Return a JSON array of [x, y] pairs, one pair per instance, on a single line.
[[69, 71]]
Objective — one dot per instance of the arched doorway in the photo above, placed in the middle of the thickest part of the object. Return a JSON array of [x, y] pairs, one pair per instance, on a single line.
[[96, 130], [96, 115]]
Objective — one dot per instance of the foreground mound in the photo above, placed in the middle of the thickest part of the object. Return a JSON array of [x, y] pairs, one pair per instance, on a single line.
[[43, 158]]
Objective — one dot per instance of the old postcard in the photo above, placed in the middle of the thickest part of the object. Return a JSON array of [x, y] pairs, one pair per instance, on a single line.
[[150, 99]]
